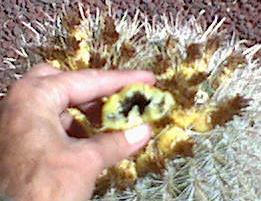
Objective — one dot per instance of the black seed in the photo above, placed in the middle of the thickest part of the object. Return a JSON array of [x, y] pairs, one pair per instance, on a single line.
[[137, 99]]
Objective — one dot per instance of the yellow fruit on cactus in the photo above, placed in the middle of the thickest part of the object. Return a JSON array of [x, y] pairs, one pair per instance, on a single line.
[[134, 105]]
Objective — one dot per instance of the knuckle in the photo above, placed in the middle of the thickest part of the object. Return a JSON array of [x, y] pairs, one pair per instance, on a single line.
[[28, 84], [40, 87], [118, 149], [19, 89], [40, 84], [29, 89], [20, 84]]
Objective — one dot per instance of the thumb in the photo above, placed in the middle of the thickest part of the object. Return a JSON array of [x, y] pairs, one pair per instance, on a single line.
[[114, 147]]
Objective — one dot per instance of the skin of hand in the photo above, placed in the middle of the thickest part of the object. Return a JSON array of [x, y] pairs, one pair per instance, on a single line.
[[38, 159]]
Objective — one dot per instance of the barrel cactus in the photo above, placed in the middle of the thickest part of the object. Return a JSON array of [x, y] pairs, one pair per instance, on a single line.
[[206, 143]]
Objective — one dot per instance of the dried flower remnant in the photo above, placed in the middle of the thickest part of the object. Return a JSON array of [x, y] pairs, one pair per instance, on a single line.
[[194, 52], [109, 33], [54, 53], [235, 61], [228, 109], [182, 92], [161, 64], [171, 44], [72, 45], [212, 45], [128, 51], [197, 79], [71, 21], [97, 61], [150, 161]]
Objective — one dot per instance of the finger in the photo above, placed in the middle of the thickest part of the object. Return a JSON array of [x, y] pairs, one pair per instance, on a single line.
[[72, 127], [41, 70], [79, 87], [114, 147], [93, 111], [66, 120]]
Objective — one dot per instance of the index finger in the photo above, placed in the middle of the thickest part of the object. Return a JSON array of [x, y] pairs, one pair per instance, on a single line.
[[74, 88]]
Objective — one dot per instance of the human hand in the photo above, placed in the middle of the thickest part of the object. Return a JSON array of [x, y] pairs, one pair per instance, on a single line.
[[38, 160]]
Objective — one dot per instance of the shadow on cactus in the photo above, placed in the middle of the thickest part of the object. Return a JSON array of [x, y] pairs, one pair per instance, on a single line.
[[202, 107]]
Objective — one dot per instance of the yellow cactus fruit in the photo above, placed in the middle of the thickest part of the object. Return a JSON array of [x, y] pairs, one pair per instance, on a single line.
[[134, 105], [195, 119], [169, 142]]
